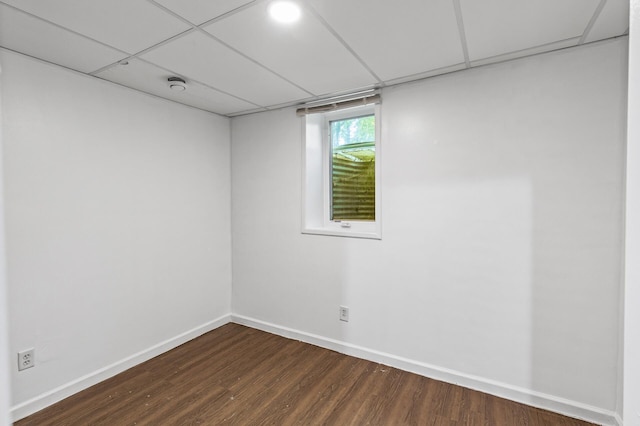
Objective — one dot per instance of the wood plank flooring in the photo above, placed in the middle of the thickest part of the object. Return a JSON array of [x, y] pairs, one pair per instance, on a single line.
[[240, 376]]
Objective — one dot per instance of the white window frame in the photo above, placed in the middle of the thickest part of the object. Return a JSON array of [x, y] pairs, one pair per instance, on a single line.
[[316, 176]]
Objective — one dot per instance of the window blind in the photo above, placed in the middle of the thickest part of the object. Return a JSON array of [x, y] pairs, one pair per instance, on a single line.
[[335, 106]]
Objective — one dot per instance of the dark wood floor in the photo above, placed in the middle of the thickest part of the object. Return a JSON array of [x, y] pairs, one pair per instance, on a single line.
[[241, 376]]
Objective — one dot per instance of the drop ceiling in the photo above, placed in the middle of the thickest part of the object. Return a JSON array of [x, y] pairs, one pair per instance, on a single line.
[[236, 60]]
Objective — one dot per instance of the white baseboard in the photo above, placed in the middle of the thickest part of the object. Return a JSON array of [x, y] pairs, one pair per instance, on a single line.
[[36, 404], [618, 419], [526, 396]]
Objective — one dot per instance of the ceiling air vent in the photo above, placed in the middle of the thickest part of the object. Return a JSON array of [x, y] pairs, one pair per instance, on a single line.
[[176, 83]]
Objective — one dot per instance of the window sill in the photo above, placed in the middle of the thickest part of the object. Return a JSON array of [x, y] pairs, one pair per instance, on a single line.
[[342, 233]]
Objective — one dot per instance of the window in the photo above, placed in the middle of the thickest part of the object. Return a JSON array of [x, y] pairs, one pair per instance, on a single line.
[[341, 192], [353, 172]]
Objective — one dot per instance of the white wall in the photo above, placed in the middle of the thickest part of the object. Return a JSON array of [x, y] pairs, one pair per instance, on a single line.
[[117, 222], [500, 261], [631, 412], [5, 395]]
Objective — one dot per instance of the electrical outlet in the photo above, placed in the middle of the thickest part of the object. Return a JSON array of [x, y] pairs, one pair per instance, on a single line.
[[344, 314], [26, 359]]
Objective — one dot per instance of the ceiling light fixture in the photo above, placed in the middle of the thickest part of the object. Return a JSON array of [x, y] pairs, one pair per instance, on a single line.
[[177, 84], [284, 11]]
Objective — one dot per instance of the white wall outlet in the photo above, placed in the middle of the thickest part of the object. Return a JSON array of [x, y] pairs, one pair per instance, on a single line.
[[26, 359], [344, 314]]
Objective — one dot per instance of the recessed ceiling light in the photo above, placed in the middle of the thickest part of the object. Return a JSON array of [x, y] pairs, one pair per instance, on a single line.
[[284, 11]]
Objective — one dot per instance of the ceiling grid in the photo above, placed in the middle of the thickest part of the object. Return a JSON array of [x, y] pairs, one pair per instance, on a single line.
[[236, 60]]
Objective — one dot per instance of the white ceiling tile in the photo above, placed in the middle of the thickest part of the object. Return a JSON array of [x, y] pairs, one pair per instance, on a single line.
[[151, 79], [397, 39], [612, 21], [129, 25], [496, 27], [202, 58], [34, 37], [305, 52], [199, 11]]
